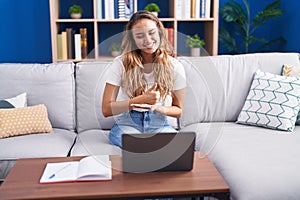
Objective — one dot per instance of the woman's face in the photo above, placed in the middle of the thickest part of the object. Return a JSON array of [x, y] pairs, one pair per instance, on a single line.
[[146, 36]]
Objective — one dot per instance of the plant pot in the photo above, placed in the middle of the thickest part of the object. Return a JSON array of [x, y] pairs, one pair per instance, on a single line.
[[75, 15], [115, 53], [195, 52], [155, 13]]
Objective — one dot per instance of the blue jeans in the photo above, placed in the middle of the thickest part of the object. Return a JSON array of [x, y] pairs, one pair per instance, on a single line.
[[139, 122]]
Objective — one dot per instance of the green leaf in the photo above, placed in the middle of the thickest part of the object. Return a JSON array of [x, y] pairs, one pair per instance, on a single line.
[[242, 27], [228, 41], [233, 12], [253, 40], [194, 41], [274, 5], [270, 11], [279, 40], [238, 30]]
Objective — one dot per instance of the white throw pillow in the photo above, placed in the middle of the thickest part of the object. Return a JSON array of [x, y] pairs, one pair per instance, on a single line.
[[273, 102], [19, 101]]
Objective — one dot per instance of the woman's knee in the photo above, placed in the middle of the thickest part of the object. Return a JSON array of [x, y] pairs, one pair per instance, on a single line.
[[115, 135], [115, 140]]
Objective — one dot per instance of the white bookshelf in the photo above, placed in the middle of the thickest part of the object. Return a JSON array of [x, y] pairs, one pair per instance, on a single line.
[[210, 27]]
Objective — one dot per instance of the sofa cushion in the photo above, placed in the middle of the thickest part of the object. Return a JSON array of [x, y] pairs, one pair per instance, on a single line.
[[49, 84], [18, 101], [94, 142], [273, 102], [58, 143], [22, 121], [207, 134], [90, 83], [256, 163], [217, 86], [204, 91]]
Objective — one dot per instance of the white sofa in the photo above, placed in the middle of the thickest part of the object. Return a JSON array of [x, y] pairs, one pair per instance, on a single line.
[[49, 84], [256, 162]]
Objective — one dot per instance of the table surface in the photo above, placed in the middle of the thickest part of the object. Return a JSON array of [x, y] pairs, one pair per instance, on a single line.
[[23, 182]]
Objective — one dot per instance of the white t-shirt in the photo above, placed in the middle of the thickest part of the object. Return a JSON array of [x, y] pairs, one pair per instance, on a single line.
[[116, 75]]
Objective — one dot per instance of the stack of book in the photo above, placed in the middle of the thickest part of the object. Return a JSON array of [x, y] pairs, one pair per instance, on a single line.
[[72, 45], [192, 9], [170, 35], [114, 9]]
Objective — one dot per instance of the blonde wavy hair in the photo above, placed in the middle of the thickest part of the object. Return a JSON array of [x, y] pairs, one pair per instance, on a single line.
[[134, 82]]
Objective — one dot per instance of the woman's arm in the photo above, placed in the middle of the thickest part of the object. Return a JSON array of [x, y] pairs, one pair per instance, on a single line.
[[109, 106], [176, 109], [112, 107]]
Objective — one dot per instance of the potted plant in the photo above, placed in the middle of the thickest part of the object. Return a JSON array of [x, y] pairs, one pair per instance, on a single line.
[[153, 7], [115, 49], [194, 43], [75, 11], [240, 33]]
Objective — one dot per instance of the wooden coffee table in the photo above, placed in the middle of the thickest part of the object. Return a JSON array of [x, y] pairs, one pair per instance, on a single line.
[[23, 182]]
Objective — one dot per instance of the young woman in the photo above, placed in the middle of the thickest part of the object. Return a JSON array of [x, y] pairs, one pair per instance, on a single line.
[[149, 82]]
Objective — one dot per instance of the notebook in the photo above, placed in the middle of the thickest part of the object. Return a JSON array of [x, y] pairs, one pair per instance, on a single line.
[[150, 152], [90, 168]]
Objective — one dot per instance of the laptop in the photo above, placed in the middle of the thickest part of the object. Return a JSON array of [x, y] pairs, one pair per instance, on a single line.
[[150, 152]]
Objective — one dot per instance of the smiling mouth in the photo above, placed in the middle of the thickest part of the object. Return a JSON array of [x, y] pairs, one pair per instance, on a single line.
[[151, 46]]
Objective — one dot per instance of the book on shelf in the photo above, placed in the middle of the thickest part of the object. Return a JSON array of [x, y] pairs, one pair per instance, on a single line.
[[170, 35], [113, 9], [193, 8], [197, 8], [70, 43], [207, 8], [186, 9], [178, 13], [109, 9], [64, 45], [128, 8], [77, 41], [59, 46], [121, 9], [83, 42], [99, 9], [202, 8], [90, 168]]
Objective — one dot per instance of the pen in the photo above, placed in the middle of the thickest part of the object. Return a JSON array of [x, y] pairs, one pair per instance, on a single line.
[[59, 170]]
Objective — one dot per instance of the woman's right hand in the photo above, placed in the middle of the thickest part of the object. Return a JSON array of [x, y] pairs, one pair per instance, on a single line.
[[151, 96], [146, 100]]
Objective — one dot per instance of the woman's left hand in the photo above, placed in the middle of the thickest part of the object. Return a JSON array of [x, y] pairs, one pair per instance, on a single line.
[[157, 108]]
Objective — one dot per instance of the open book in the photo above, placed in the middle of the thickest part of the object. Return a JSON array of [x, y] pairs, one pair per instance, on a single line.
[[91, 168]]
